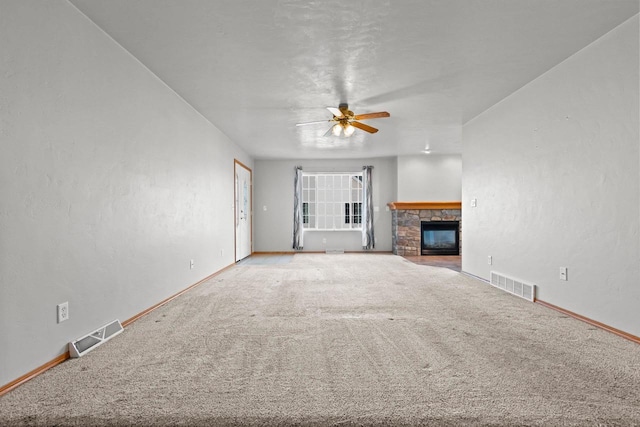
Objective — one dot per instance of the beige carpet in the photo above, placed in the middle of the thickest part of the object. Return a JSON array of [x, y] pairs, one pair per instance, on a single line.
[[352, 339]]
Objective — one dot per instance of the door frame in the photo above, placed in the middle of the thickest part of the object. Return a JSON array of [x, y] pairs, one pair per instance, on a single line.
[[236, 164]]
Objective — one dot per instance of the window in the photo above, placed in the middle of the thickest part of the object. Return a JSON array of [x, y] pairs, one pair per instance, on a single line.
[[357, 213], [305, 213], [332, 201]]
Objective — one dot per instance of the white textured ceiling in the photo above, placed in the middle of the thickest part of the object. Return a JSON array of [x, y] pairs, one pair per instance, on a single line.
[[255, 68]]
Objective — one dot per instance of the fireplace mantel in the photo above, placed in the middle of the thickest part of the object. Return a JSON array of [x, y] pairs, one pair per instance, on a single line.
[[423, 205]]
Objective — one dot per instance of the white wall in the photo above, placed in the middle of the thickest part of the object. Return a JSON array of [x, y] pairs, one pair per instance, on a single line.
[[430, 177], [555, 170], [110, 184], [273, 189]]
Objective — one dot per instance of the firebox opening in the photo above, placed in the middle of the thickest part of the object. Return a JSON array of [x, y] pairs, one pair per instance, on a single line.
[[440, 237]]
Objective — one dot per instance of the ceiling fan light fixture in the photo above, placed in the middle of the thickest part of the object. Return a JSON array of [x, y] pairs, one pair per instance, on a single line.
[[348, 130], [345, 120]]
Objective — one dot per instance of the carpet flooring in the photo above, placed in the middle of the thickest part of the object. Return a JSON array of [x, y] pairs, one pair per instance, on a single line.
[[351, 339]]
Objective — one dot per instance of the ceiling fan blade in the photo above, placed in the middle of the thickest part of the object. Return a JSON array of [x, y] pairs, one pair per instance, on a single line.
[[335, 111], [329, 132], [371, 115], [364, 127], [313, 123]]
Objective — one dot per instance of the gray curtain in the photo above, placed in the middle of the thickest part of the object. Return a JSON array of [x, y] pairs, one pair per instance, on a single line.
[[297, 209], [368, 239]]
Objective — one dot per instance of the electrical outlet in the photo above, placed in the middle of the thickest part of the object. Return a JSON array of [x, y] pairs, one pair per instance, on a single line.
[[490, 260], [474, 203], [191, 264], [63, 312], [324, 240]]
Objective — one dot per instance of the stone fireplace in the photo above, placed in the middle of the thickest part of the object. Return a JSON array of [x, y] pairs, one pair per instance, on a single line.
[[407, 219], [440, 238]]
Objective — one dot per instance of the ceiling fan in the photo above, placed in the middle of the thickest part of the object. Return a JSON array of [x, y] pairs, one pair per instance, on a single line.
[[346, 122]]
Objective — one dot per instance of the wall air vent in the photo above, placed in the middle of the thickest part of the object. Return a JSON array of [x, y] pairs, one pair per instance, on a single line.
[[334, 251], [513, 286], [83, 345]]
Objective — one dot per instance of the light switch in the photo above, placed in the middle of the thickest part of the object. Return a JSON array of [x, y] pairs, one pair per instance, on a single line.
[[474, 203], [563, 273]]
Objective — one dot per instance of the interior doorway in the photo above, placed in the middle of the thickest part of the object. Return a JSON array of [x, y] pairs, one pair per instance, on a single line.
[[243, 210]]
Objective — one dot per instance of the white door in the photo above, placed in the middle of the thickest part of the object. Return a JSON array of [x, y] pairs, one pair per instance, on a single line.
[[243, 210]]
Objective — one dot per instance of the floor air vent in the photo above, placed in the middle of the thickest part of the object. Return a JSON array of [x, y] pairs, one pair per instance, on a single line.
[[513, 286], [334, 251], [83, 345]]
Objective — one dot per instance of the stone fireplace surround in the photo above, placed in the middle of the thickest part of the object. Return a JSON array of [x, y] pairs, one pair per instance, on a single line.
[[406, 220]]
